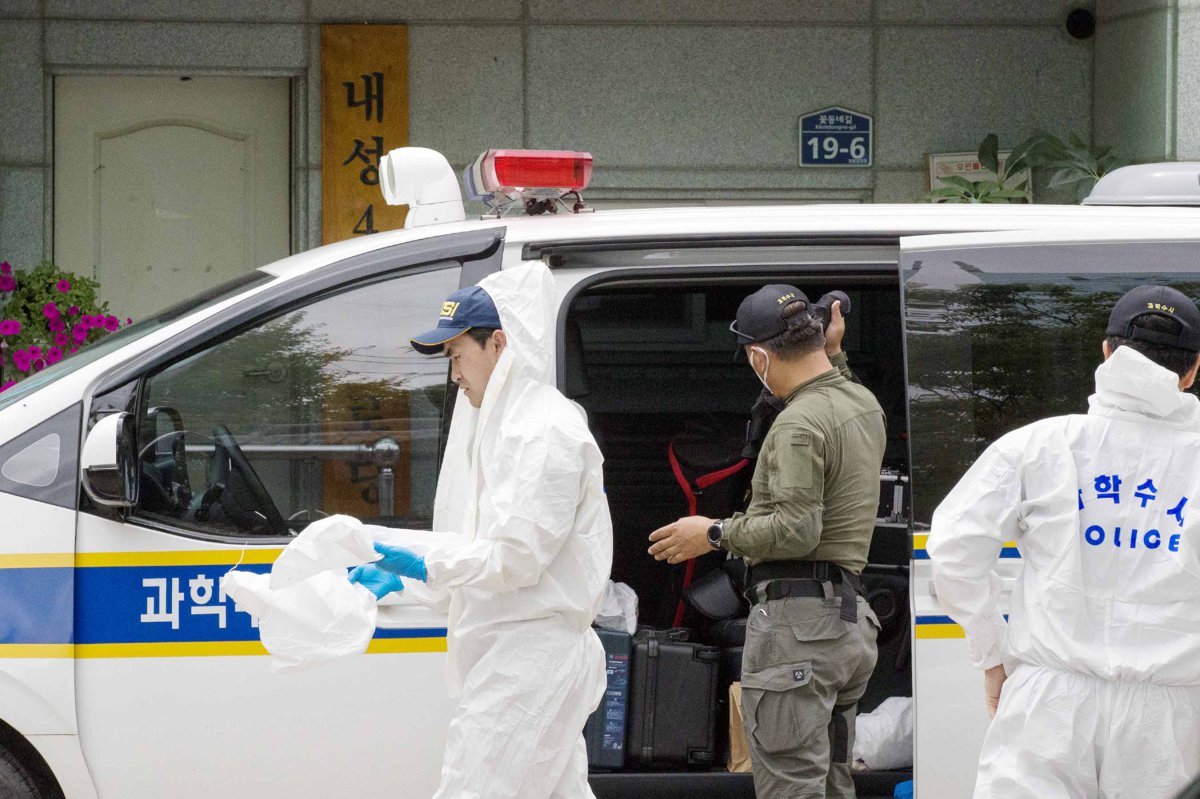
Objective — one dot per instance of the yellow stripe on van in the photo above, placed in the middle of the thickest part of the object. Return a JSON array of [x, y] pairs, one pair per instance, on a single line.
[[182, 649], [920, 541], [940, 631], [217, 557], [38, 560], [189, 649], [36, 651]]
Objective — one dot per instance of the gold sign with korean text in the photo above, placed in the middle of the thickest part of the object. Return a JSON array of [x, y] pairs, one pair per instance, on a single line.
[[364, 110]]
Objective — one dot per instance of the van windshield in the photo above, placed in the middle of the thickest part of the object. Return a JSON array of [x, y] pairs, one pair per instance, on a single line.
[[132, 333]]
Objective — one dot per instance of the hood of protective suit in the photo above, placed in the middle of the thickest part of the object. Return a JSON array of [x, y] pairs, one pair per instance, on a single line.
[[1131, 386]]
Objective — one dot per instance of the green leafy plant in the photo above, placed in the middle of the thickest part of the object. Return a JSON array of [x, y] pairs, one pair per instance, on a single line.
[[1002, 189], [46, 314], [1074, 163]]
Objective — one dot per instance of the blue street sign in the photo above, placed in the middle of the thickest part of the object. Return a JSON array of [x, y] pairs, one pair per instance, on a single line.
[[835, 137]]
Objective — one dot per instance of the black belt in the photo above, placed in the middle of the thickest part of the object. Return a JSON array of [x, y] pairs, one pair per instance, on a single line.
[[804, 578]]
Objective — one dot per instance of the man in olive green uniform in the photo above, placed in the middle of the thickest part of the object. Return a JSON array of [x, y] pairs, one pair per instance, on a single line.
[[810, 640]]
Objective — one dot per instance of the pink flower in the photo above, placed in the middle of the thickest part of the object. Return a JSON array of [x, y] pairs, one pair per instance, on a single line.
[[50, 310], [35, 352], [53, 355], [63, 285], [73, 310], [62, 339], [85, 323], [79, 334], [21, 360], [128, 321], [7, 283], [39, 365], [56, 325], [8, 385], [10, 327], [5, 268], [111, 323]]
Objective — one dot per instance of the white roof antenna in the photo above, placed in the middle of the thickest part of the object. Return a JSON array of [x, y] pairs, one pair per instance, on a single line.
[[423, 180]]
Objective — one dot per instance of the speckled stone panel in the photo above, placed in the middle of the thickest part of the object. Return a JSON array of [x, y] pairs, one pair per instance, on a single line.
[[690, 96], [22, 87], [1115, 9], [900, 185], [414, 11], [22, 193], [947, 12], [1132, 66], [463, 106], [312, 83], [1187, 89], [170, 10], [944, 89], [178, 44], [744, 12], [22, 114], [10, 9], [20, 42]]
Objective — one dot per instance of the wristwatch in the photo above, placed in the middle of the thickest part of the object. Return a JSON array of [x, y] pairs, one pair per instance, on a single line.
[[716, 533]]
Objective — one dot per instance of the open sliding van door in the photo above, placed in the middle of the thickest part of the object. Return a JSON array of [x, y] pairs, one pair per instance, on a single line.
[[1001, 329]]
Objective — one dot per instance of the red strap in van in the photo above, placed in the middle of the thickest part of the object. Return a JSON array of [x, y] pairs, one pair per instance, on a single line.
[[702, 482]]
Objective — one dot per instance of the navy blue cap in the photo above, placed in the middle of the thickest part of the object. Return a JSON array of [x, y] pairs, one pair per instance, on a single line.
[[760, 316], [1161, 301], [462, 310]]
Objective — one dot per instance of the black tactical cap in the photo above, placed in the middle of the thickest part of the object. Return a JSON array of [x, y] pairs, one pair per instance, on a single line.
[[1161, 301], [760, 316]]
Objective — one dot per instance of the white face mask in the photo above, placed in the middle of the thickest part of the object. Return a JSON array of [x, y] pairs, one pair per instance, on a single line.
[[766, 370]]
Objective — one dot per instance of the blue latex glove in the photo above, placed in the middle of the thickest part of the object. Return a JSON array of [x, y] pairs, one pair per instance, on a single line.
[[401, 561], [376, 580], [904, 790]]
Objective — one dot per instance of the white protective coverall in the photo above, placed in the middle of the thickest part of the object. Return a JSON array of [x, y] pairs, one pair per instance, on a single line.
[[521, 481], [1102, 643]]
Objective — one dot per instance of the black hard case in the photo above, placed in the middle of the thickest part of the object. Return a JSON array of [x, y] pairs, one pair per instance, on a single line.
[[672, 701]]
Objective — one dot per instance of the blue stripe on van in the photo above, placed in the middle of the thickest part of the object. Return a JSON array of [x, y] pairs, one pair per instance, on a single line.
[[35, 605]]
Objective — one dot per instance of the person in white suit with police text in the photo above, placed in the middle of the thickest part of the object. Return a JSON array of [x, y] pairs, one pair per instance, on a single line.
[[1094, 678]]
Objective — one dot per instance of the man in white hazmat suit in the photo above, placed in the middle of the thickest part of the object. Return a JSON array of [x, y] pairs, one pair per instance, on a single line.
[[521, 485], [1099, 660]]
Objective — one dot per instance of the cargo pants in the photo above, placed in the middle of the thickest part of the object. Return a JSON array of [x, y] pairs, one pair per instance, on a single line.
[[803, 671]]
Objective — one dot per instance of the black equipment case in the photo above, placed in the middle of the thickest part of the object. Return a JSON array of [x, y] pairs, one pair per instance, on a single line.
[[605, 728], [672, 701]]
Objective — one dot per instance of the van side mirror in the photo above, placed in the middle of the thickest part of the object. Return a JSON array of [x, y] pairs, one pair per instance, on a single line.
[[109, 463]]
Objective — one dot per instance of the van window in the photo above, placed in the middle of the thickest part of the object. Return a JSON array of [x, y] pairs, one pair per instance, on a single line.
[[324, 409], [1001, 337], [42, 463]]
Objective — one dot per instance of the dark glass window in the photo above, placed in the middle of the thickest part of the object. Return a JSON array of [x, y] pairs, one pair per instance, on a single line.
[[325, 409]]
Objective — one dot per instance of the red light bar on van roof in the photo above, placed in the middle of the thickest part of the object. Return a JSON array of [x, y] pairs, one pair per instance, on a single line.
[[528, 174]]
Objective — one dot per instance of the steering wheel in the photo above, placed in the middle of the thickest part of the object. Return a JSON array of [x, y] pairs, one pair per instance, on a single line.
[[258, 514]]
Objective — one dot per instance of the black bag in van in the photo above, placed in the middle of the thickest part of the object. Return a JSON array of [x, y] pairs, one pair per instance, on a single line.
[[714, 478], [672, 719]]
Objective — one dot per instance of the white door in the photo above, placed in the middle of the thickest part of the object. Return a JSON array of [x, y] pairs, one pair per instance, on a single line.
[[1001, 329], [166, 186]]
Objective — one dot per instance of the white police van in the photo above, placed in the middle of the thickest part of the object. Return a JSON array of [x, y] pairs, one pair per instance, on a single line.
[[135, 474]]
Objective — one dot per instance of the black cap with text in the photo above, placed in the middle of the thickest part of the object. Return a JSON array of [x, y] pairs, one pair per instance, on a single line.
[[760, 316], [1162, 301]]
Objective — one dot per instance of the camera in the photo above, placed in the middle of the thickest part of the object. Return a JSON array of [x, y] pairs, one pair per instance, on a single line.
[[822, 308]]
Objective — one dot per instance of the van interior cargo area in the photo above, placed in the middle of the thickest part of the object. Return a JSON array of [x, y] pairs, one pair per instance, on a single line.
[[654, 364]]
